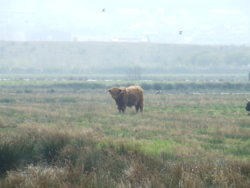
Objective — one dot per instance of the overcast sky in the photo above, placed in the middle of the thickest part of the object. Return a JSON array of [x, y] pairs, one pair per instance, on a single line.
[[201, 21]]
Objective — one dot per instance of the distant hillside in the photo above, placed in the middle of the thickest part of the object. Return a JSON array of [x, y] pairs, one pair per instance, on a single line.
[[121, 58]]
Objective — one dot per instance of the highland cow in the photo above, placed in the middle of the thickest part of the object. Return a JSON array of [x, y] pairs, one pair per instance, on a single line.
[[131, 96], [248, 106]]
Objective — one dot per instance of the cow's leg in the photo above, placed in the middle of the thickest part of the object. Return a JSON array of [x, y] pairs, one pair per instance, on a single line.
[[137, 107]]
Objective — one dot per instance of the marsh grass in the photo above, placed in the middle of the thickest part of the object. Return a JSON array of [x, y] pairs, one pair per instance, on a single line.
[[66, 138]]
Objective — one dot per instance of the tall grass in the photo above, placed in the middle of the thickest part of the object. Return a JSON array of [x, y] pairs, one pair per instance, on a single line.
[[72, 158], [78, 139]]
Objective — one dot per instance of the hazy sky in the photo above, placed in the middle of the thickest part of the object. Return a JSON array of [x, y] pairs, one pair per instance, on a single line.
[[201, 21]]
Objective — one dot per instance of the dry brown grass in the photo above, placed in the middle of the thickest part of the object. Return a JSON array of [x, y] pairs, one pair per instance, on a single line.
[[77, 139]]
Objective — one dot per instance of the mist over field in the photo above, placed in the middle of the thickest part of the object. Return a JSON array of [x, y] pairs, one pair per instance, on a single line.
[[134, 61], [119, 40]]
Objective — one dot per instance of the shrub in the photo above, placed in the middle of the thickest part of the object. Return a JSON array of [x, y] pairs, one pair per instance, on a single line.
[[15, 153]]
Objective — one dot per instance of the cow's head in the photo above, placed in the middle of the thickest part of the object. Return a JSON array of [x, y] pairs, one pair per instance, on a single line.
[[115, 92]]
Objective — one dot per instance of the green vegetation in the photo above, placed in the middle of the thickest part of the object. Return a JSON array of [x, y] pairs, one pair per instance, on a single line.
[[131, 61], [67, 137], [23, 86]]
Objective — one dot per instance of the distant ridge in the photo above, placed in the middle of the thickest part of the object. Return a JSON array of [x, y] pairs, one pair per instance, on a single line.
[[121, 58]]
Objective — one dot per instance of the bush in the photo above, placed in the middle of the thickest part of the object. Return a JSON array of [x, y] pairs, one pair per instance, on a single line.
[[15, 153]]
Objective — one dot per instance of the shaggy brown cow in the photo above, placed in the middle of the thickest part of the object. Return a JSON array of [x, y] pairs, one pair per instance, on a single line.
[[131, 96], [248, 107]]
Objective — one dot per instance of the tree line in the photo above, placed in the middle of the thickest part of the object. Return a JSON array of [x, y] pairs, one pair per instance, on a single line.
[[132, 59]]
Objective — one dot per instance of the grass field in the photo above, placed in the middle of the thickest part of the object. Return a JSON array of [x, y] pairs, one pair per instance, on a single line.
[[61, 137]]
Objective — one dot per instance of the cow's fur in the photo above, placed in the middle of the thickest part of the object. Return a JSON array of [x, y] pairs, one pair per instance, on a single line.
[[248, 107], [131, 96]]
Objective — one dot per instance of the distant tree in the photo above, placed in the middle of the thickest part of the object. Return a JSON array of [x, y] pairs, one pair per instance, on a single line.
[[135, 73]]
